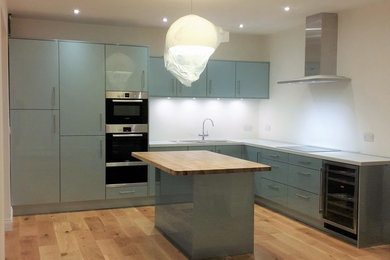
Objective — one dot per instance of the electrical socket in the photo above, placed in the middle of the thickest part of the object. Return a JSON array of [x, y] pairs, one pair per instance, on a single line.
[[369, 137]]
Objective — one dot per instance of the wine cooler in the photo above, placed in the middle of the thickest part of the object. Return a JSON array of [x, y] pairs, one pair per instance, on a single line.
[[340, 197]]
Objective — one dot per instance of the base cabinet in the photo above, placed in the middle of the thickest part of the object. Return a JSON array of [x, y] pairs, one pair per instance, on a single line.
[[82, 168], [35, 177]]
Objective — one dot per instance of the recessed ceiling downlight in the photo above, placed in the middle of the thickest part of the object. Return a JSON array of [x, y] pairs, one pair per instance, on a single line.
[[241, 26], [287, 8], [165, 19], [76, 11]]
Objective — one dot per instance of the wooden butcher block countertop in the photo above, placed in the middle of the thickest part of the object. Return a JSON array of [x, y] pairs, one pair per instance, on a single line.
[[198, 162]]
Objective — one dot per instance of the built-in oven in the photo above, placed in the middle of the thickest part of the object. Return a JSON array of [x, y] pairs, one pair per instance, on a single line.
[[121, 167], [340, 198], [126, 107]]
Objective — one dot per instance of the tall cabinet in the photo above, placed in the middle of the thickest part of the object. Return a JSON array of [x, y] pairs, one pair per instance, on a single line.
[[82, 113], [34, 121]]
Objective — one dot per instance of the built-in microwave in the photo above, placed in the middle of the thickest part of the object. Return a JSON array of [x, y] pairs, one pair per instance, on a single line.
[[126, 107]]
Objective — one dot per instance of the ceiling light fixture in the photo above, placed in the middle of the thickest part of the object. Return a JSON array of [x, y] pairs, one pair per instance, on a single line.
[[189, 43], [76, 11], [165, 19], [241, 26], [287, 8]]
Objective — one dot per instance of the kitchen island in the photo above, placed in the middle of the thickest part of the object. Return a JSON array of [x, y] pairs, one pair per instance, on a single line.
[[204, 201]]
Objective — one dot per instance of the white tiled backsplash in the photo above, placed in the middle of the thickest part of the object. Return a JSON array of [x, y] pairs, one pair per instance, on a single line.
[[174, 118]]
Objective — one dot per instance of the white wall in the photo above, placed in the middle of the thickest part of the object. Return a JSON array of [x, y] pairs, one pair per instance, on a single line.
[[4, 141], [173, 119], [334, 115], [240, 47]]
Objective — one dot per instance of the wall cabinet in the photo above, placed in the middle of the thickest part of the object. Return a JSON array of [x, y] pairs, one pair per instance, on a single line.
[[35, 177], [82, 168], [82, 88], [221, 79], [252, 79], [33, 70], [126, 68], [163, 84]]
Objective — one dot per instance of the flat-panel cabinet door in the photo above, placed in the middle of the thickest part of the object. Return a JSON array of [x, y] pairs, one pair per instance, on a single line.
[[82, 168], [82, 88], [126, 68], [35, 175], [161, 82], [252, 79], [197, 89], [221, 79], [231, 150], [33, 70]]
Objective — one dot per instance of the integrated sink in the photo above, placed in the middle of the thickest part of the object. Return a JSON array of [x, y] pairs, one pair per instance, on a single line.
[[202, 141]]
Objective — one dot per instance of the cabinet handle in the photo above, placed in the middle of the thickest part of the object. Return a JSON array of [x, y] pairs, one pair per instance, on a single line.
[[101, 122], [101, 149], [127, 191], [274, 156], [143, 80], [321, 202], [54, 124], [173, 86], [273, 187], [239, 87], [53, 97], [304, 173], [210, 86], [301, 196], [304, 162]]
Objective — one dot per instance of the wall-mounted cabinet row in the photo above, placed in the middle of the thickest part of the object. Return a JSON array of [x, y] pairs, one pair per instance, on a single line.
[[221, 79]]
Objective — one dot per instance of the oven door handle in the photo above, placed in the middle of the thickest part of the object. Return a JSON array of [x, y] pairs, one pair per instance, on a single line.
[[127, 135], [127, 100], [120, 164]]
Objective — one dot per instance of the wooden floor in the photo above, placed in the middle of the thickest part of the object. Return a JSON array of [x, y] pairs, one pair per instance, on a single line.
[[129, 234]]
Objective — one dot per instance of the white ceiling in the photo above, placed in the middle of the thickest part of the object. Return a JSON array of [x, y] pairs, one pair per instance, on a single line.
[[258, 16]]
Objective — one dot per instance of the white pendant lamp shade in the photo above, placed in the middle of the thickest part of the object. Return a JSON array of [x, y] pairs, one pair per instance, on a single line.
[[189, 43]]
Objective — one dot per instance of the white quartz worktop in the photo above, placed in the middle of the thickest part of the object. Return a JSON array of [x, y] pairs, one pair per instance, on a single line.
[[337, 156]]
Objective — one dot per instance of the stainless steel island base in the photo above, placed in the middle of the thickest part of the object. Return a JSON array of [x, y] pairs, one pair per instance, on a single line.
[[207, 215]]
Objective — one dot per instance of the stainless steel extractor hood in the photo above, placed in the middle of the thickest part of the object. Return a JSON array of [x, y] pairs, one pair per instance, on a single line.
[[320, 50]]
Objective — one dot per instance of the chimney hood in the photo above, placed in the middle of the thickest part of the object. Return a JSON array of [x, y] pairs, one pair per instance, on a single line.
[[320, 51]]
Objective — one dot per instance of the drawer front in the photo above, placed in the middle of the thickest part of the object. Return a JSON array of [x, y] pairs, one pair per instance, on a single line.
[[273, 155], [278, 172], [308, 162], [273, 191], [126, 192], [304, 178], [304, 202]]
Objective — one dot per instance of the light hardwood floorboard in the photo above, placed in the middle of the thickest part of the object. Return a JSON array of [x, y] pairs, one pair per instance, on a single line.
[[129, 233]]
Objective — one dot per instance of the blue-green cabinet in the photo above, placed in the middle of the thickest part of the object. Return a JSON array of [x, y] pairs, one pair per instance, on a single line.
[[126, 68], [35, 177], [231, 150], [252, 79], [82, 168], [221, 79], [163, 84], [82, 91], [210, 148], [33, 71]]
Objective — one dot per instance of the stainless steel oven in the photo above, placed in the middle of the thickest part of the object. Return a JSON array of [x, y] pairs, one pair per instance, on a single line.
[[121, 141], [126, 107], [340, 197]]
